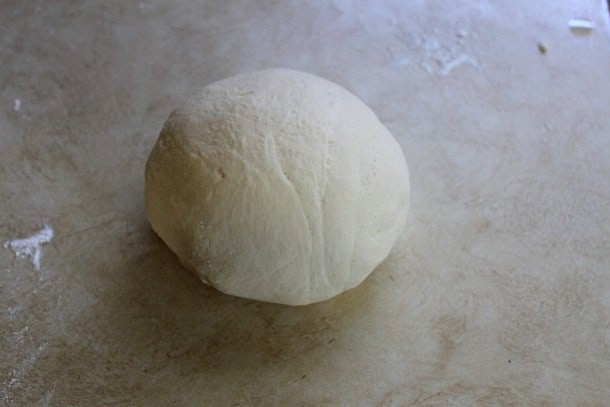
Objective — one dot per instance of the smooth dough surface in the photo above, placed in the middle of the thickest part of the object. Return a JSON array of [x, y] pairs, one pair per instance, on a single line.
[[277, 185]]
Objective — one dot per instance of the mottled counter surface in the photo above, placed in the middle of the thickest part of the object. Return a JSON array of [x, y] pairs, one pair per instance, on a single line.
[[498, 293]]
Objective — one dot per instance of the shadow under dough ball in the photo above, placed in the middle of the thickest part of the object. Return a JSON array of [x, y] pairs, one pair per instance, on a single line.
[[278, 186]]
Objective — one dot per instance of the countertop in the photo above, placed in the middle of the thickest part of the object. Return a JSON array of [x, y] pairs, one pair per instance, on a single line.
[[498, 292]]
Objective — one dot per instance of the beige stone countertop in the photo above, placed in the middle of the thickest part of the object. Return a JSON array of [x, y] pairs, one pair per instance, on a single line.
[[498, 292]]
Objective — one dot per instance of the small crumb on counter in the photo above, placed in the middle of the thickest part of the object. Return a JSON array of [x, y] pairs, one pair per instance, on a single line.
[[581, 24], [542, 48]]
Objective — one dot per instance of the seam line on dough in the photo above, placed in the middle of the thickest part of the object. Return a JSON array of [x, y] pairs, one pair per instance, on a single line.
[[321, 197], [297, 196], [356, 210]]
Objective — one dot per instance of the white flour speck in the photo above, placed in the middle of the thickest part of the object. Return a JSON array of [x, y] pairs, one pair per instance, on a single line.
[[12, 311], [17, 104], [20, 334], [31, 246], [399, 61], [448, 66], [462, 33], [441, 58]]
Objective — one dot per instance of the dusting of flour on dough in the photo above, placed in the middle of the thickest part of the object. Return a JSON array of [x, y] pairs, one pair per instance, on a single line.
[[31, 246]]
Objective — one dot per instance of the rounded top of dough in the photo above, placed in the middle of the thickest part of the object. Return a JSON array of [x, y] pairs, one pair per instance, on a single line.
[[277, 185]]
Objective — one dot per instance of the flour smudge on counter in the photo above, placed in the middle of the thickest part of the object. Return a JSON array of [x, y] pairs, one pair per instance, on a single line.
[[30, 247]]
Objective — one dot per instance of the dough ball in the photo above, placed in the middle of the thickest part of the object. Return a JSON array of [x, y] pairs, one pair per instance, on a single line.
[[277, 185]]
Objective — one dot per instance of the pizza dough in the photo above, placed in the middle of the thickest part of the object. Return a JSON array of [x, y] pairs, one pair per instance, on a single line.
[[277, 185]]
